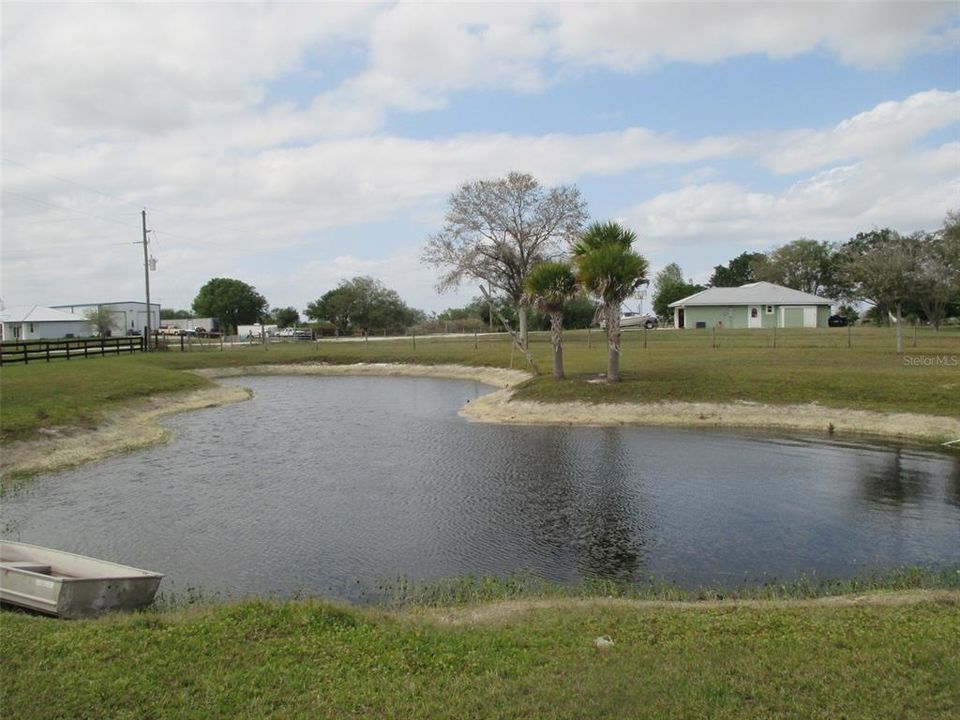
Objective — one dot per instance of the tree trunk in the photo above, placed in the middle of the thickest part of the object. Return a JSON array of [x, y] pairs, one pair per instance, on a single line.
[[899, 330], [522, 324], [556, 338], [613, 342]]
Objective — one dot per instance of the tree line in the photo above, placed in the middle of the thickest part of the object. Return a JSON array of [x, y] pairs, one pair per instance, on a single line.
[[362, 304], [914, 276]]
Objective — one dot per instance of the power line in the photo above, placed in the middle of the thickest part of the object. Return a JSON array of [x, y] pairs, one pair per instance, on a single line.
[[65, 180], [64, 209]]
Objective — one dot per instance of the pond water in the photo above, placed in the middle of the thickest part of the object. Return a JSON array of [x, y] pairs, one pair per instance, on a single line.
[[335, 486]]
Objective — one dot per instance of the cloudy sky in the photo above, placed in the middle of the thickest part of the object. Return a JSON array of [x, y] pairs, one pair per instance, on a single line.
[[292, 145]]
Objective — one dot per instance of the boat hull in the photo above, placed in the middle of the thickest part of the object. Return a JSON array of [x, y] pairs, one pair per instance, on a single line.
[[69, 585]]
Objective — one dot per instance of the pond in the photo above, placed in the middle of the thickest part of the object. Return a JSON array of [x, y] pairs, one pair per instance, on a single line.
[[335, 486]]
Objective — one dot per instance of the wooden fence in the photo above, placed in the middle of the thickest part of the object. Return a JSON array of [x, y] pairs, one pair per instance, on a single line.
[[47, 350]]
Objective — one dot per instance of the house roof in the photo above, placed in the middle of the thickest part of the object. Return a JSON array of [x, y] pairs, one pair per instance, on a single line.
[[758, 293], [37, 313]]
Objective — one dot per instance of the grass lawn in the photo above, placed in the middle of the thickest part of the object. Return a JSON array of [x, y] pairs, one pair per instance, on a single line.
[[805, 366], [313, 660]]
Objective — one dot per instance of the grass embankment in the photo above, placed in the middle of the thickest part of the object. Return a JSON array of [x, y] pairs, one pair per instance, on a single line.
[[806, 366], [805, 659], [78, 392]]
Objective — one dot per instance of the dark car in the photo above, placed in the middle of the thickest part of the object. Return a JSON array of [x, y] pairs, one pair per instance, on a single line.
[[838, 321]]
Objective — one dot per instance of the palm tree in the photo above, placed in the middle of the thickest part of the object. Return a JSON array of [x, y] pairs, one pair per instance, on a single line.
[[609, 269], [549, 287]]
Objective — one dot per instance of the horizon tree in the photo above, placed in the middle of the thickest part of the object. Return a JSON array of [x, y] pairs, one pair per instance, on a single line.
[[232, 301], [671, 287], [363, 303], [495, 231]]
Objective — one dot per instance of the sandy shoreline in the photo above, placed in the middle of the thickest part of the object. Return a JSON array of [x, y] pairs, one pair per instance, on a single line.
[[132, 428], [137, 426]]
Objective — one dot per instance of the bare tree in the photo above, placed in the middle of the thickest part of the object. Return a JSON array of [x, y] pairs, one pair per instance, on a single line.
[[101, 320], [496, 231]]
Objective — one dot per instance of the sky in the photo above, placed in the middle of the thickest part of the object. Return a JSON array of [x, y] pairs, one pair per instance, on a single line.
[[296, 145]]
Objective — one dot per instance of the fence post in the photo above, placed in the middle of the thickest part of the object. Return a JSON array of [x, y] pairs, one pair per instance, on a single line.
[[774, 336], [48, 352], [474, 339], [181, 343], [644, 337], [589, 339], [26, 360], [914, 333], [849, 332], [414, 341], [713, 335]]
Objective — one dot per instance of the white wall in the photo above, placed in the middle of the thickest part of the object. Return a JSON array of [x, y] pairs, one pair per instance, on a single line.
[[126, 315], [47, 330]]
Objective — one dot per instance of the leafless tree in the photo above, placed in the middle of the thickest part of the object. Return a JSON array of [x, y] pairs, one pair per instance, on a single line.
[[496, 231]]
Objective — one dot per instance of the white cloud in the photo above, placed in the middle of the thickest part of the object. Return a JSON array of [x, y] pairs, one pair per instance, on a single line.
[[907, 193], [889, 128]]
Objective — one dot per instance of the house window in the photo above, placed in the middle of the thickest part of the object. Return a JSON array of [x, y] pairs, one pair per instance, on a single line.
[[753, 312], [769, 309], [31, 327]]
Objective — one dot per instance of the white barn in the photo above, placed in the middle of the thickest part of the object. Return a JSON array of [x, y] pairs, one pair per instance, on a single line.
[[127, 316], [33, 322]]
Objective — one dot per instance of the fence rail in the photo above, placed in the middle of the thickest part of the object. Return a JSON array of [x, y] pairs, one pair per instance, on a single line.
[[47, 350]]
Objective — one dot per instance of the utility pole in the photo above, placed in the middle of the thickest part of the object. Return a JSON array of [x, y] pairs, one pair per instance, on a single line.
[[146, 277]]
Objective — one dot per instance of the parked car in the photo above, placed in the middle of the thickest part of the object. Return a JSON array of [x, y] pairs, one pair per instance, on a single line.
[[837, 321], [644, 320], [634, 320]]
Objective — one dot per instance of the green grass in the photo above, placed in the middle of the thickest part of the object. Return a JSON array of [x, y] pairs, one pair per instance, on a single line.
[[805, 366], [79, 391], [312, 660]]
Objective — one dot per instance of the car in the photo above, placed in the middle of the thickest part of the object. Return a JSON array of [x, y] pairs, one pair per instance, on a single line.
[[838, 321], [644, 320]]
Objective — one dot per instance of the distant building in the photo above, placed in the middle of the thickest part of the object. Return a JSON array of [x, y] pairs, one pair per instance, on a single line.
[[754, 305], [127, 316], [33, 322]]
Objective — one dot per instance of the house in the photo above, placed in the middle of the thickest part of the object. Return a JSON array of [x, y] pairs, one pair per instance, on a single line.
[[754, 305], [127, 316], [32, 322]]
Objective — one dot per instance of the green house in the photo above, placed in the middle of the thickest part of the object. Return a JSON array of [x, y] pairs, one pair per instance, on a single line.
[[754, 305]]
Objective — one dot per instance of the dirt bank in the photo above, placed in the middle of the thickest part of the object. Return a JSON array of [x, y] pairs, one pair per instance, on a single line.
[[498, 377], [134, 427], [498, 407]]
